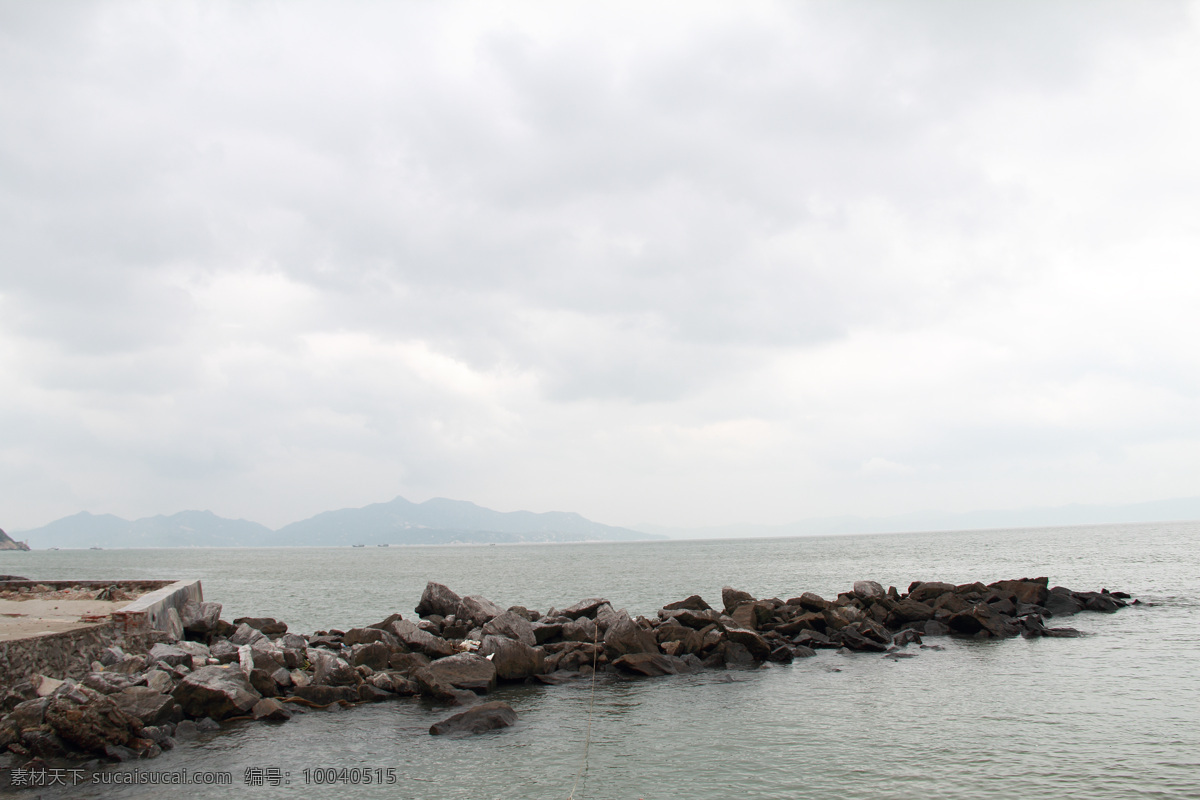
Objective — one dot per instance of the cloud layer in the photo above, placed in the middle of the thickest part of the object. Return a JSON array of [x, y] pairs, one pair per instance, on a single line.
[[682, 264]]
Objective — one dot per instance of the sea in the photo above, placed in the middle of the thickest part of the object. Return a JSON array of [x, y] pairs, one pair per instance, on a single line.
[[1113, 714]]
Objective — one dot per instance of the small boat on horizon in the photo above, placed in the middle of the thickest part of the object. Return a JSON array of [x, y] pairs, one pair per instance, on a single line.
[[381, 545], [358, 545]]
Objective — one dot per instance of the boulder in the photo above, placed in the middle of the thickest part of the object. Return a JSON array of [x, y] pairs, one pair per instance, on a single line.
[[1034, 591], [247, 634], [651, 665], [329, 670], [868, 589], [546, 631], [200, 619], [908, 610], [477, 610], [271, 710], [696, 619], [148, 705], [1061, 602], [580, 630], [980, 619], [514, 660], [169, 654], [463, 671], [412, 637], [624, 636], [511, 626], [91, 721], [732, 598], [216, 692], [923, 591], [755, 644], [584, 608], [365, 636], [375, 655], [437, 599], [693, 603], [810, 601], [267, 625], [110, 682], [481, 718]]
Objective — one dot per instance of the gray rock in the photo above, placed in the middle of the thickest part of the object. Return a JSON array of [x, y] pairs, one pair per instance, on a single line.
[[624, 636], [271, 710], [148, 705], [584, 608], [247, 634], [732, 598], [868, 589], [216, 692], [462, 671], [581, 630], [329, 670], [477, 610], [511, 626], [437, 599], [168, 654], [651, 665], [200, 619], [481, 718], [412, 637], [514, 660]]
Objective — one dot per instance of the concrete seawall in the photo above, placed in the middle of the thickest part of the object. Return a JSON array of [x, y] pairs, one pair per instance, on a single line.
[[68, 653]]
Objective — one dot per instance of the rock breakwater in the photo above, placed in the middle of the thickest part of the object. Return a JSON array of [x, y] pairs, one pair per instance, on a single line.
[[136, 705]]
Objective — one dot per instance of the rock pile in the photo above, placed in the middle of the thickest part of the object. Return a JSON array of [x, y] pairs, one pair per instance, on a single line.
[[137, 705]]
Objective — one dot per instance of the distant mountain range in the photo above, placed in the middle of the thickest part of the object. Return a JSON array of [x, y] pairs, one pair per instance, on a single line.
[[1186, 508], [437, 521]]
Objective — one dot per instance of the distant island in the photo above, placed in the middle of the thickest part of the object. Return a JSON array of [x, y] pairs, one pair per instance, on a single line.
[[7, 542], [399, 522]]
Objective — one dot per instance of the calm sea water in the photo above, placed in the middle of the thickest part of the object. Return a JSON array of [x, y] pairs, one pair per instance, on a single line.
[[1111, 715]]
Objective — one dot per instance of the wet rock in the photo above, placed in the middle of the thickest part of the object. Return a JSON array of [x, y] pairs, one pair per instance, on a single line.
[[412, 637], [584, 608], [477, 610], [696, 619], [924, 591], [513, 660], [546, 631], [855, 641], [906, 637], [732, 598], [1033, 591], [216, 692], [624, 636], [330, 670], [264, 682], [463, 671], [481, 718], [271, 710], [1061, 633], [29, 713], [936, 628], [800, 651], [755, 644], [981, 619], [734, 655], [651, 665], [375, 655], [1099, 601], [370, 693], [582, 629], [437, 599], [511, 626], [148, 705], [693, 603], [408, 662], [1061, 602], [908, 610]]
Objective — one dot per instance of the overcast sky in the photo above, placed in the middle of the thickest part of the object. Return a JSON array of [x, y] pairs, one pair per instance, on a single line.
[[674, 263]]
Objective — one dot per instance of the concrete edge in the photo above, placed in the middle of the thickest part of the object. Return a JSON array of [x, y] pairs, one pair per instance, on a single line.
[[153, 611]]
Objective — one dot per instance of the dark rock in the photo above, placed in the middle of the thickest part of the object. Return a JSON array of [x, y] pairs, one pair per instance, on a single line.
[[128, 665], [224, 652], [330, 670], [264, 682], [1034, 591], [207, 725], [906, 637], [267, 625], [781, 655], [366, 636], [1061, 633], [800, 651], [90, 721], [810, 602], [463, 671], [481, 718], [546, 631], [755, 644], [437, 599], [107, 682], [408, 662], [584, 608], [216, 692], [808, 621], [411, 636], [936, 628], [513, 660], [734, 655], [908, 610], [117, 753], [1061, 603], [732, 598], [693, 603], [855, 641], [370, 693], [151, 707], [651, 665], [200, 619], [981, 619], [271, 710], [581, 629], [923, 591], [477, 610], [511, 626], [810, 639], [695, 619], [1099, 601], [375, 655], [624, 636]]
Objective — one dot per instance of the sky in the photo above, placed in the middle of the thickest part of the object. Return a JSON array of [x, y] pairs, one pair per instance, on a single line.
[[673, 263]]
